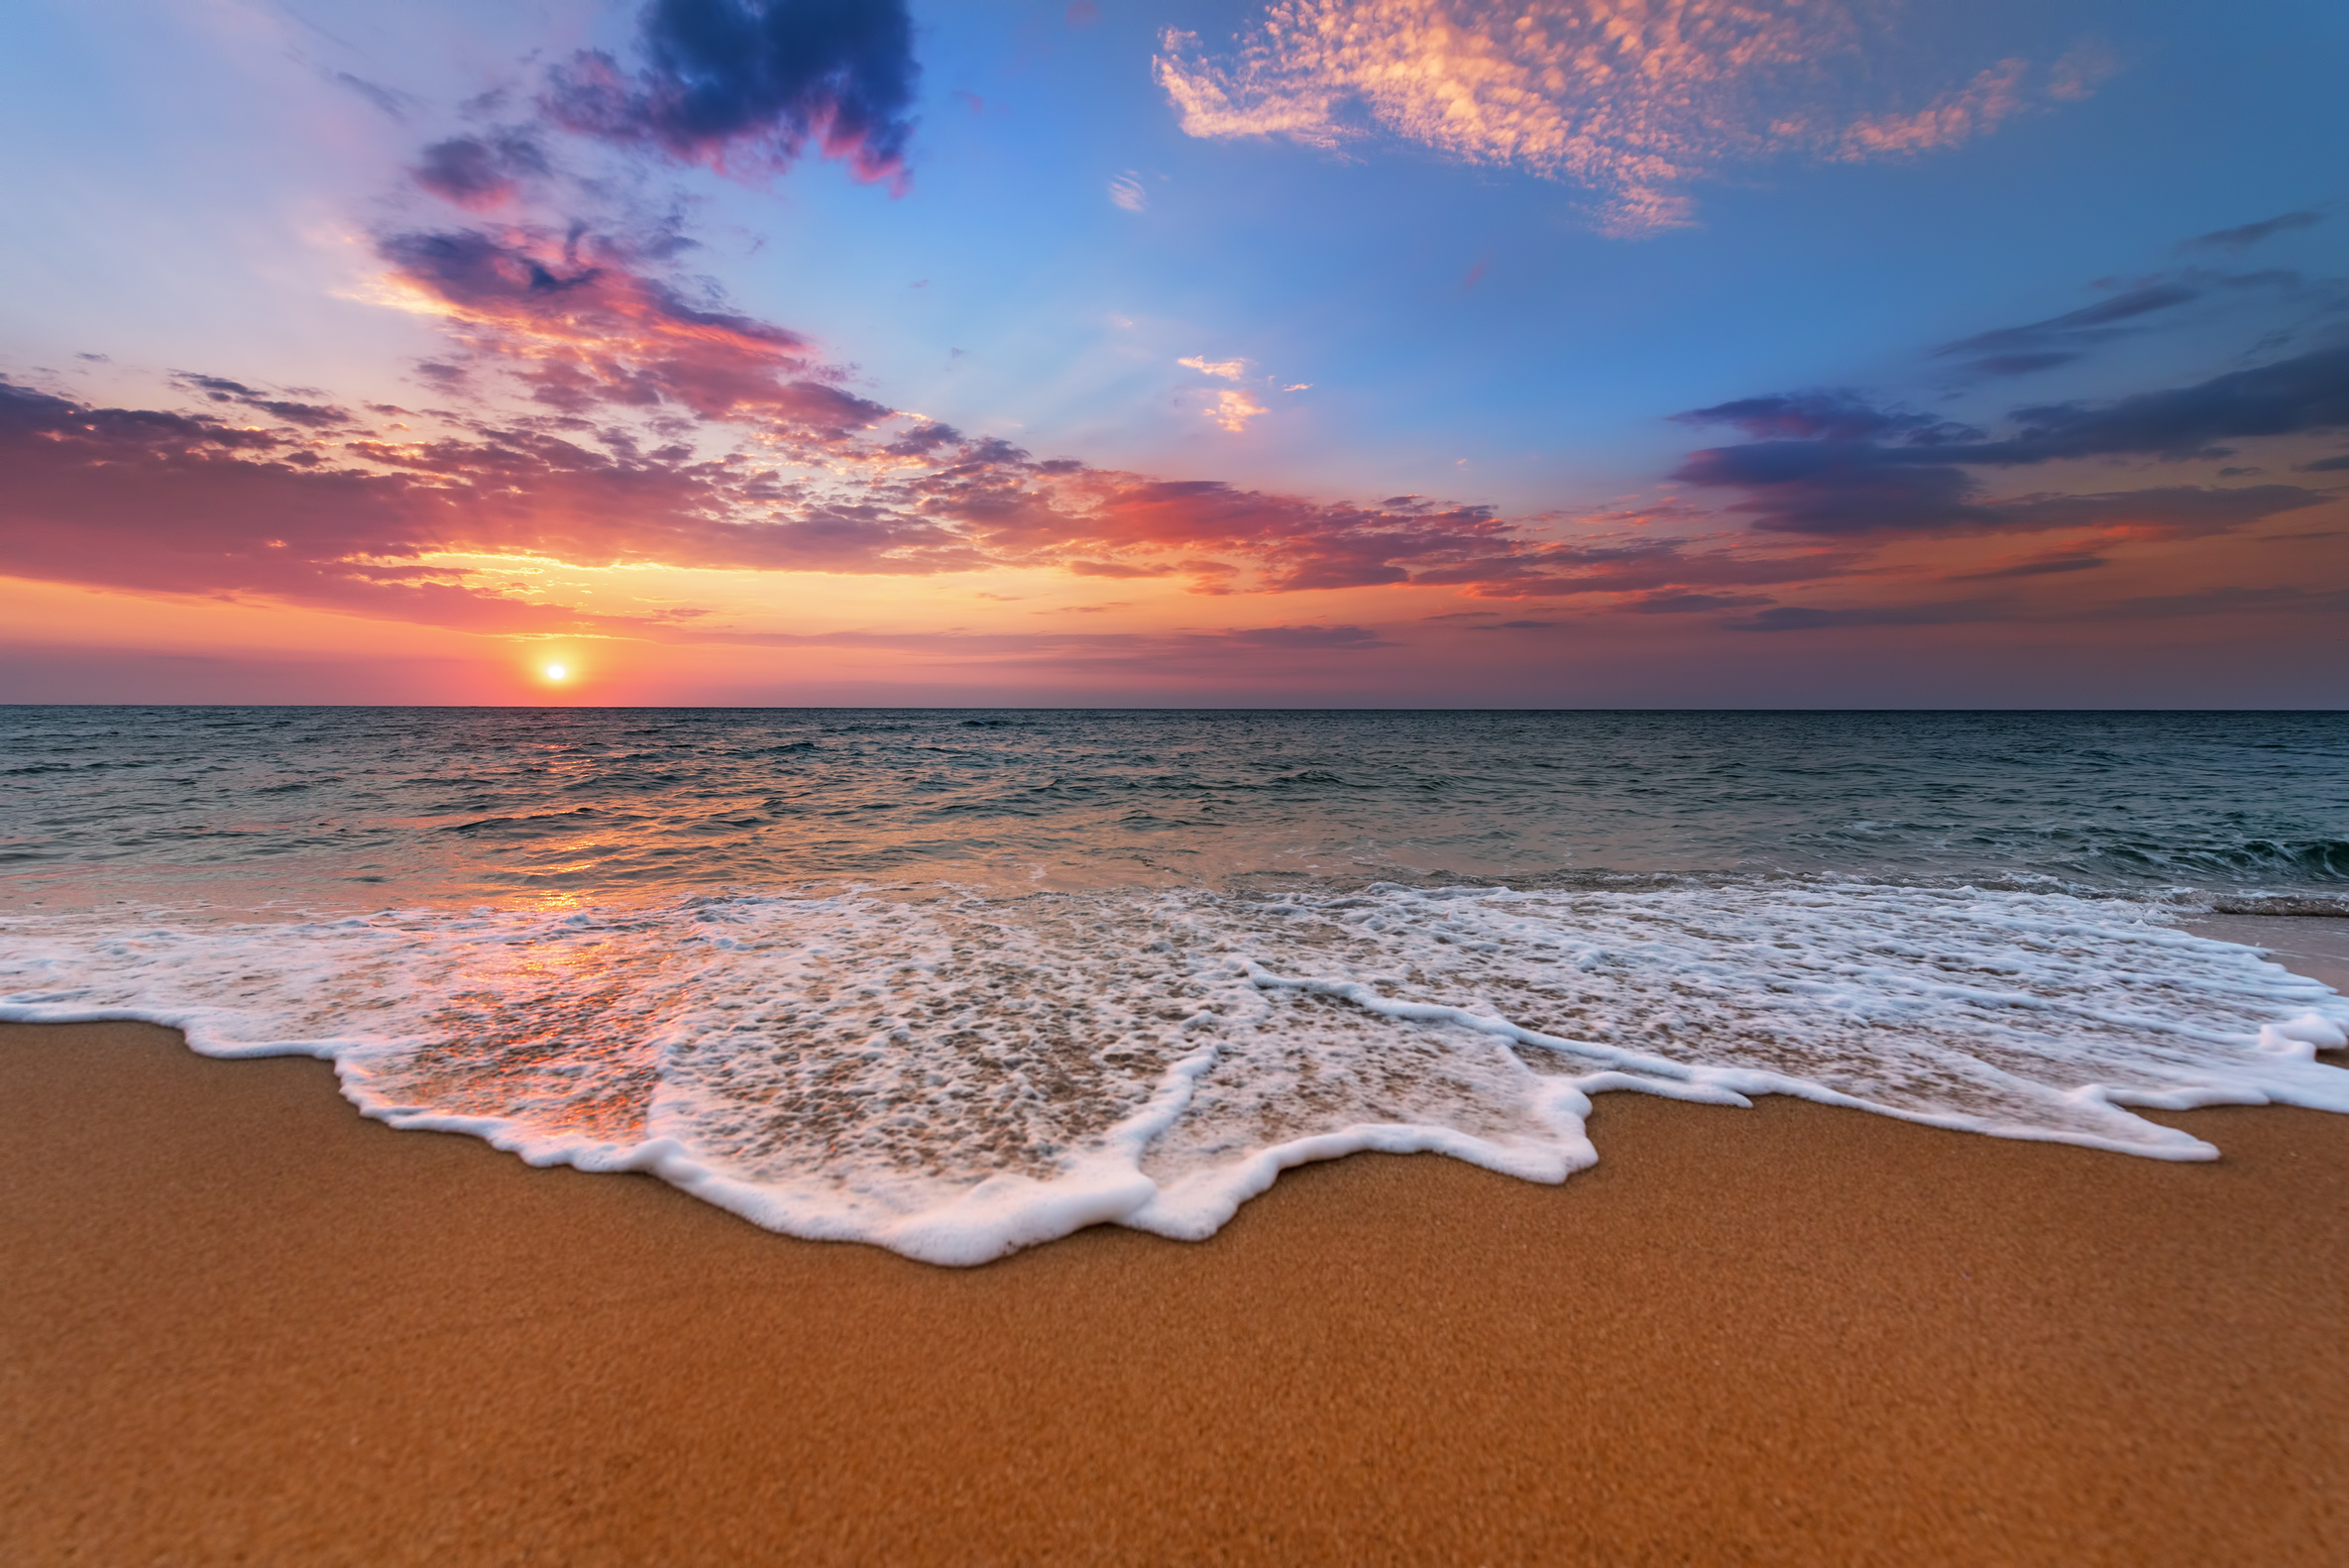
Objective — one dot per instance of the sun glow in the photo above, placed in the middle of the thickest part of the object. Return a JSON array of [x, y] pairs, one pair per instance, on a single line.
[[556, 672]]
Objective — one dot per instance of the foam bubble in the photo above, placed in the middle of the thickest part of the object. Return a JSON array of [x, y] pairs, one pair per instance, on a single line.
[[955, 1076]]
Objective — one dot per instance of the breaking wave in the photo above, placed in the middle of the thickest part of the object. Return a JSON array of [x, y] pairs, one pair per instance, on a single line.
[[954, 1075]]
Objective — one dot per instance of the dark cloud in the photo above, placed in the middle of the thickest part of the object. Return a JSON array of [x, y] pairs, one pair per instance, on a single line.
[[1800, 617], [1518, 625], [1852, 489], [1241, 651], [2269, 278], [1118, 569], [2327, 465], [2249, 234], [2306, 392], [2058, 340], [1542, 571], [310, 416], [2223, 601], [1689, 603], [1827, 415], [217, 388], [1955, 611], [316, 417], [1840, 487], [2049, 566], [2121, 307], [1309, 637], [747, 85], [1892, 473], [478, 172], [923, 439], [27, 416], [392, 102], [469, 268], [2021, 363]]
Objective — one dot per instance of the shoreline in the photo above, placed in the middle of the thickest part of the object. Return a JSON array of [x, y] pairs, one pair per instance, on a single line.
[[251, 1324]]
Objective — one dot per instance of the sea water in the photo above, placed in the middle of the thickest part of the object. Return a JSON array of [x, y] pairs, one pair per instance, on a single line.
[[958, 982]]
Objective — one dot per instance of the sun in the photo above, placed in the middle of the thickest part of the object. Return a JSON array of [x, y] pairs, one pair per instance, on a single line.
[[556, 672]]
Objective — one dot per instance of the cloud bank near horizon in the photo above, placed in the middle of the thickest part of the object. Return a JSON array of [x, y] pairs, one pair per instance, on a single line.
[[601, 416]]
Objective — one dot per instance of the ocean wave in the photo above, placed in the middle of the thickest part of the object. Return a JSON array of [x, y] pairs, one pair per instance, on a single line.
[[458, 802], [956, 1075]]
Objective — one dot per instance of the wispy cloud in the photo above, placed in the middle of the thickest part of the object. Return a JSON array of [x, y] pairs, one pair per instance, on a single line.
[[584, 325], [1682, 603], [1229, 370], [1631, 99], [481, 172], [392, 102], [2053, 564], [310, 416], [1126, 191], [2239, 240], [1950, 120], [2058, 340]]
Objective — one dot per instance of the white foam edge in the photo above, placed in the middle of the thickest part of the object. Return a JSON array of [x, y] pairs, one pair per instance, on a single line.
[[1007, 1212], [2323, 1088]]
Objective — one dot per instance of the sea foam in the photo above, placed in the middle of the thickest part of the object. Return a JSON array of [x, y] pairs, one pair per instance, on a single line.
[[956, 1075]]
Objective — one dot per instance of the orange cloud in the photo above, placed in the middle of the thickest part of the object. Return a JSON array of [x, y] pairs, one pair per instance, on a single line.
[[1953, 118], [1233, 410], [1632, 99]]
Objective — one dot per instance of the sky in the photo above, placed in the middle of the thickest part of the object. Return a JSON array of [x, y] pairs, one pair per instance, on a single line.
[[1356, 353]]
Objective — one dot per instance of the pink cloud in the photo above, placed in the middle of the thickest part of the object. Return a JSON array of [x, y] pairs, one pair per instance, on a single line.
[[1633, 99], [583, 327]]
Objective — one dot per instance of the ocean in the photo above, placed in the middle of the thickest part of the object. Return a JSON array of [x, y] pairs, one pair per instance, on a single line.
[[958, 982]]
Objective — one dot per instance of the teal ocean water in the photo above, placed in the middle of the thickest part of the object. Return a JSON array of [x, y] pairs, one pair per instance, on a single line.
[[957, 982]]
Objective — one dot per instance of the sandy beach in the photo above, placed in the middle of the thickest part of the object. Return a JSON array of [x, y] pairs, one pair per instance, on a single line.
[[248, 1325], [854, 662]]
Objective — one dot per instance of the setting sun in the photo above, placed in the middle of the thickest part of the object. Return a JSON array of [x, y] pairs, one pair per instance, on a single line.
[[556, 672]]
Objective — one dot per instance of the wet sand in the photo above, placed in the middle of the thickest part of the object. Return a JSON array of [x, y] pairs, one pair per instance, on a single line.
[[244, 1324]]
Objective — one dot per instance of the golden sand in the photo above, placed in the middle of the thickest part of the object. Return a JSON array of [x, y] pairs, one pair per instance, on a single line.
[[246, 1325]]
